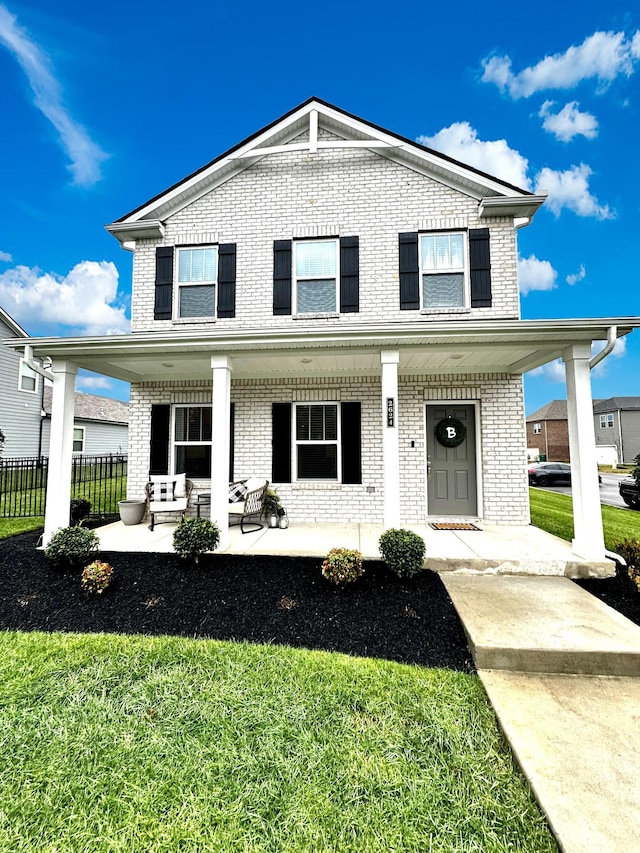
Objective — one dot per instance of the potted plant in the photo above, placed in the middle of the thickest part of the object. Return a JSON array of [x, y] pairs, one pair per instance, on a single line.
[[270, 507]]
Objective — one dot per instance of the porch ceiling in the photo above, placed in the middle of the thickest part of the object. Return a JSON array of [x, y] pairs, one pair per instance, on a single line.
[[492, 346]]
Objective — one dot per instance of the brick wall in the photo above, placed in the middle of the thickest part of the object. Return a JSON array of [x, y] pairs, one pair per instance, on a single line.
[[334, 192], [501, 444], [552, 440]]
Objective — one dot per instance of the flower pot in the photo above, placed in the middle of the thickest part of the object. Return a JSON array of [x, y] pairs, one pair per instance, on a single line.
[[132, 511]]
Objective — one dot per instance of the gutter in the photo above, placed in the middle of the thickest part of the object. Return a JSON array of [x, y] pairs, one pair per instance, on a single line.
[[612, 338]]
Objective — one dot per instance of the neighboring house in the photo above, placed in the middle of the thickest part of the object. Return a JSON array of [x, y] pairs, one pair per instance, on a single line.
[[335, 307], [617, 424], [101, 425], [548, 432], [21, 400]]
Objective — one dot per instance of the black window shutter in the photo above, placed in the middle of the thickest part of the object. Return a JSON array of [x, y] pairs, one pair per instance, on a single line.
[[351, 430], [232, 442], [164, 283], [282, 255], [349, 274], [281, 442], [409, 272], [227, 280], [159, 439], [480, 268]]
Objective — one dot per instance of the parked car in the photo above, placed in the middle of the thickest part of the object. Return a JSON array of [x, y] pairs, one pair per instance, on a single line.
[[547, 473], [630, 492]]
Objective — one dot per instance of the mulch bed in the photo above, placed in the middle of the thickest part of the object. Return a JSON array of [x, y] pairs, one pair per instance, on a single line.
[[618, 592], [282, 600]]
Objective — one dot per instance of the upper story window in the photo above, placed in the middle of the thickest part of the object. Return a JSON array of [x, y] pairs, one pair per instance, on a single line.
[[78, 439], [606, 421], [537, 429], [197, 280], [443, 270], [316, 276], [317, 442], [28, 379]]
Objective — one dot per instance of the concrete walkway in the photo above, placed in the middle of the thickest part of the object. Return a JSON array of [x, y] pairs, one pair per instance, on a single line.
[[562, 671]]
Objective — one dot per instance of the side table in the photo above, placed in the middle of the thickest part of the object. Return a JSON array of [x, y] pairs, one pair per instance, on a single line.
[[203, 500]]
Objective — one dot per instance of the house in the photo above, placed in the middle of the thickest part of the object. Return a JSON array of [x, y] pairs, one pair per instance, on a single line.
[[21, 403], [101, 424], [334, 307], [617, 427]]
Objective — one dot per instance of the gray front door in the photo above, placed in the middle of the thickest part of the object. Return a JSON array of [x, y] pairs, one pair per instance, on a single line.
[[451, 471]]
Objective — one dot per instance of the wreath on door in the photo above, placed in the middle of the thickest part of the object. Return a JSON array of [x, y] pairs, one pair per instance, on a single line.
[[451, 432]]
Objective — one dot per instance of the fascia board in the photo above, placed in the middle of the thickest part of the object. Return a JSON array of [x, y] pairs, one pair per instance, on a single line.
[[11, 323]]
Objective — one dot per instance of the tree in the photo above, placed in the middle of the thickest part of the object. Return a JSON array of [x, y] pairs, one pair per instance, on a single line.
[[635, 473]]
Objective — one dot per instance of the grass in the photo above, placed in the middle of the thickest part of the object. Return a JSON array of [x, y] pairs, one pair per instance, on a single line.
[[13, 526], [116, 743], [554, 513]]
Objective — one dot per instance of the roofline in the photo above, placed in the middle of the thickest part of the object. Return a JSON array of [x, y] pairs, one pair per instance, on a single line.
[[17, 328], [349, 115]]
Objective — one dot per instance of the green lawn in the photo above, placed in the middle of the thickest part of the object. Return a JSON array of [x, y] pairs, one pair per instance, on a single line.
[[553, 512], [115, 743], [12, 526]]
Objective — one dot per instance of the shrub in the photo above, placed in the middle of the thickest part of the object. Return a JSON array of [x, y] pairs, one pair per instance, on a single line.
[[342, 566], [271, 504], [96, 577], [629, 549], [72, 547], [78, 510], [403, 551], [195, 536]]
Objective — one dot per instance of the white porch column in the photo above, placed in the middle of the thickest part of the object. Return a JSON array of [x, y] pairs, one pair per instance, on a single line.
[[389, 360], [588, 541], [60, 448], [221, 367]]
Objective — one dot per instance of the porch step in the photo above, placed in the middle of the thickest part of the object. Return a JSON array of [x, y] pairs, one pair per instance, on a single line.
[[542, 624]]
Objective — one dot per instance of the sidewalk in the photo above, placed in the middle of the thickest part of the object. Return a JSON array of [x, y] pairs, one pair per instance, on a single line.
[[562, 671]]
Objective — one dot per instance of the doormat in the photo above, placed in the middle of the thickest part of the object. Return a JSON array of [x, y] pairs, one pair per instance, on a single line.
[[454, 525]]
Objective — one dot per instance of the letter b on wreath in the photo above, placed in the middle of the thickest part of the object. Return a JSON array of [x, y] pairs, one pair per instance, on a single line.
[[451, 432]]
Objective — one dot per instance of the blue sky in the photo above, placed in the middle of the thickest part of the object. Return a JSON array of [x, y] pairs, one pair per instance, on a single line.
[[105, 105]]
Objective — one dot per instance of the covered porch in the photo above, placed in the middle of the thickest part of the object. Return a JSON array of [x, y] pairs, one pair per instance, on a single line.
[[492, 548]]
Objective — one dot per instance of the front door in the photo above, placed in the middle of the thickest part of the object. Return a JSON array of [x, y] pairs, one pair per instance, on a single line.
[[451, 470]]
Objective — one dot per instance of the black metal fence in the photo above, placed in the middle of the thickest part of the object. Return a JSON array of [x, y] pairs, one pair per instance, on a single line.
[[101, 480]]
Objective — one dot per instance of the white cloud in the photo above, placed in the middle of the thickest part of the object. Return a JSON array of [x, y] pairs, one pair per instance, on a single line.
[[534, 274], [574, 278], [85, 299], [601, 56], [84, 154], [551, 372], [570, 189], [92, 383], [461, 142], [5, 256], [569, 122]]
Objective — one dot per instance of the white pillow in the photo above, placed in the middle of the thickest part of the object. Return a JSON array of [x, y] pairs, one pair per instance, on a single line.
[[254, 483], [180, 490]]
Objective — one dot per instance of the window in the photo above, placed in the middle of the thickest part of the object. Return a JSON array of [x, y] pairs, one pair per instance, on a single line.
[[192, 441], [28, 380], [442, 270], [197, 279], [606, 421], [537, 429], [78, 439], [316, 441], [316, 274]]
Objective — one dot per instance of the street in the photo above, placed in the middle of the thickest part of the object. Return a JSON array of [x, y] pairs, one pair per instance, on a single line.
[[609, 493]]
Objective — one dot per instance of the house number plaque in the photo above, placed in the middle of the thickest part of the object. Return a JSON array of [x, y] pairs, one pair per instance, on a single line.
[[390, 411]]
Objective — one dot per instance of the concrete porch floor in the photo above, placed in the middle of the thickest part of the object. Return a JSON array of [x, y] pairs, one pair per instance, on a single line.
[[493, 549]]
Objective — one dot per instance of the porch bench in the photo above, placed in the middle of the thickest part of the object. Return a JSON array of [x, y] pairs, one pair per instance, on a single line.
[[251, 506], [167, 494]]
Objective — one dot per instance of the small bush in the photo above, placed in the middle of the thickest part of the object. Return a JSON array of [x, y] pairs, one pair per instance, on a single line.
[[342, 566], [72, 547], [403, 551], [195, 536], [629, 549], [78, 510], [96, 577]]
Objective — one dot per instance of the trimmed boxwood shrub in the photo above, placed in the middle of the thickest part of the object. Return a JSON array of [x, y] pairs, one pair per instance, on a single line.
[[194, 537], [72, 547], [342, 566], [403, 551]]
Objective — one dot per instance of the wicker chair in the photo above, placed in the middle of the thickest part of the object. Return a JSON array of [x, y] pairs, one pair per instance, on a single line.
[[167, 493], [250, 507]]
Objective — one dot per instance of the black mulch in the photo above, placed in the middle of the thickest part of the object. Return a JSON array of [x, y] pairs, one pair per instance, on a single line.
[[283, 600], [618, 592]]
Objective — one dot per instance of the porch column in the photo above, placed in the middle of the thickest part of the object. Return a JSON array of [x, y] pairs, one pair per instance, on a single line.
[[389, 360], [588, 541], [221, 367], [60, 448]]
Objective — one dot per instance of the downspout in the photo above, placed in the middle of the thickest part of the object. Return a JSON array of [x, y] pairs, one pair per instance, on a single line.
[[612, 337]]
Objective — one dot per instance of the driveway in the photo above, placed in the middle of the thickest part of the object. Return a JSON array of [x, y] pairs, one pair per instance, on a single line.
[[609, 494]]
